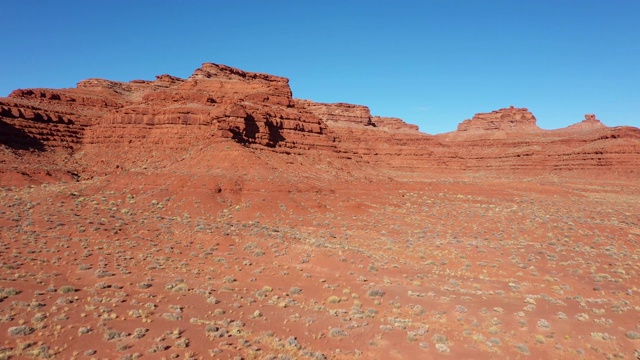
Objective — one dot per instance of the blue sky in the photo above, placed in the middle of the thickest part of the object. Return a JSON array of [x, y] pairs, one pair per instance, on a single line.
[[432, 63]]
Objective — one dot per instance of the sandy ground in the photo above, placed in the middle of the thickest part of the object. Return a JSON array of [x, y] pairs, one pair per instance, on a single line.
[[261, 267]]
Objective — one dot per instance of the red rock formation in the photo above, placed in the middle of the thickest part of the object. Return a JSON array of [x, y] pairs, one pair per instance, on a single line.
[[589, 122], [381, 141], [394, 124], [507, 119], [508, 141], [342, 114], [339, 114], [142, 125], [248, 107]]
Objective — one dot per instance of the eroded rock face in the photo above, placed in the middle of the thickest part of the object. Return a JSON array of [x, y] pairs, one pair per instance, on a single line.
[[508, 141], [111, 124], [339, 114], [350, 115], [251, 108], [148, 125], [394, 124], [508, 119]]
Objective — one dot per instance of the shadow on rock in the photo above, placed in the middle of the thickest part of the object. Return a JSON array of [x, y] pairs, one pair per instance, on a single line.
[[18, 139]]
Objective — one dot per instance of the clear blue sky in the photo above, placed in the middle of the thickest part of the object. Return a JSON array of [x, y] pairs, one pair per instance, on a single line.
[[432, 63]]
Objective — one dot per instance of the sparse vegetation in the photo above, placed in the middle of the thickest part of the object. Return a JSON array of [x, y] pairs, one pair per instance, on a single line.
[[375, 293], [426, 271], [21, 330]]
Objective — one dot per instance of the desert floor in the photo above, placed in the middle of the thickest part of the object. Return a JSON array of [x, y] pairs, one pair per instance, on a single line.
[[466, 267]]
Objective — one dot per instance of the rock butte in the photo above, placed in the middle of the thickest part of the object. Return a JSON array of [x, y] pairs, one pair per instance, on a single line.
[[102, 125]]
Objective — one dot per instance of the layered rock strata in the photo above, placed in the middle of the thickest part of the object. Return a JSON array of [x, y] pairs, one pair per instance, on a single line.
[[142, 125], [509, 119]]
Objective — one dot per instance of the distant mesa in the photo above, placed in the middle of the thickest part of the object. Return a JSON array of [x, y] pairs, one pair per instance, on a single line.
[[350, 115], [589, 122], [512, 120], [509, 119]]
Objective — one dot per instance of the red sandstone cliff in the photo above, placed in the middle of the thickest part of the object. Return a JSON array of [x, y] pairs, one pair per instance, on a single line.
[[103, 126], [339, 114]]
